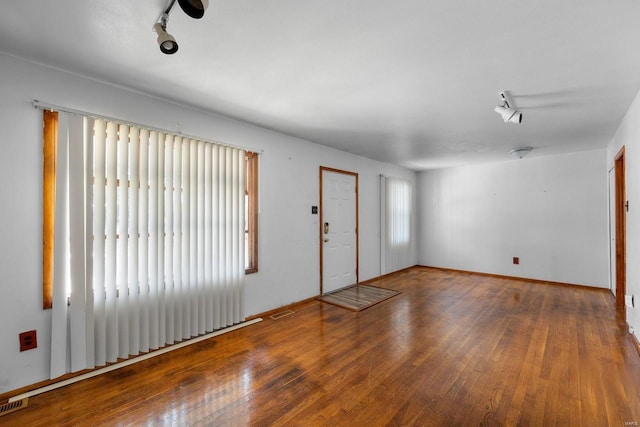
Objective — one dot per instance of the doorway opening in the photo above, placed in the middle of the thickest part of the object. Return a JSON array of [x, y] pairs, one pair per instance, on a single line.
[[621, 230]]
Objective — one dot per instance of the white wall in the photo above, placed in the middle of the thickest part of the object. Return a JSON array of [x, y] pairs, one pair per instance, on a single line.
[[551, 212], [288, 233], [628, 135]]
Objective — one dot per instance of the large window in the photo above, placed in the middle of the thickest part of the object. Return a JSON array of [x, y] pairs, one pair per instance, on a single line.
[[50, 149], [149, 235]]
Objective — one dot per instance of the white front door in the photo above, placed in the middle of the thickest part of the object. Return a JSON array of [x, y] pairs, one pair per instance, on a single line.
[[338, 229]]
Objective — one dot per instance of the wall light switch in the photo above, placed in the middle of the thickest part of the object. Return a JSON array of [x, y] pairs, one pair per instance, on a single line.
[[628, 300]]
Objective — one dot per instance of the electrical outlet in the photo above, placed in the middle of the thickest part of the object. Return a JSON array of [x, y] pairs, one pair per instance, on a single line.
[[516, 260], [28, 340]]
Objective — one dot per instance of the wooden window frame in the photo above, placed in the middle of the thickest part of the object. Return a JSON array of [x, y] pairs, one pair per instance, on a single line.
[[49, 149], [252, 200]]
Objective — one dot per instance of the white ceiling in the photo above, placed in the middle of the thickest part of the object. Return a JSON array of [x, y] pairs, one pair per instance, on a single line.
[[411, 82]]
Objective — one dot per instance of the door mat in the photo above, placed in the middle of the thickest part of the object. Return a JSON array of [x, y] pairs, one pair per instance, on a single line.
[[358, 297]]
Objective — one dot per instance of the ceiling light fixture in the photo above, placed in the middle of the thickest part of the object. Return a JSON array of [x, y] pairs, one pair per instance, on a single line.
[[166, 41], [506, 110], [520, 152], [193, 8]]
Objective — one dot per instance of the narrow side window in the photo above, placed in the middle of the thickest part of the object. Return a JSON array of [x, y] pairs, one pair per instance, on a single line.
[[50, 142], [251, 214]]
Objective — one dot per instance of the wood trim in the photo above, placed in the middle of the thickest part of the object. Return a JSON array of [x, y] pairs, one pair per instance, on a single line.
[[320, 207], [524, 279], [293, 306], [50, 147], [252, 189], [389, 275], [4, 397], [355, 174], [621, 229]]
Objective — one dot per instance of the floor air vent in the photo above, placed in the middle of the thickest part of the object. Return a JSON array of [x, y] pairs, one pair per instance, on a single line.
[[7, 408], [281, 314]]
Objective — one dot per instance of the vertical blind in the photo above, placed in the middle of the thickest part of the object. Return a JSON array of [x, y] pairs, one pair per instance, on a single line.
[[149, 241], [395, 224]]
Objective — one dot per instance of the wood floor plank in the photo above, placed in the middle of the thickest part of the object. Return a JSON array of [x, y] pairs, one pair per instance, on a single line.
[[453, 348]]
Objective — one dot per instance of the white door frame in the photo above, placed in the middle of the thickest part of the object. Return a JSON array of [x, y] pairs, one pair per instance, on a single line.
[[321, 222]]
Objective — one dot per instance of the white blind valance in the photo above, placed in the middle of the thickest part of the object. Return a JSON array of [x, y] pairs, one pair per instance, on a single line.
[[154, 253]]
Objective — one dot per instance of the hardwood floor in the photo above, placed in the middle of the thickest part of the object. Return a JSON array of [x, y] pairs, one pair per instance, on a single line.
[[454, 349]]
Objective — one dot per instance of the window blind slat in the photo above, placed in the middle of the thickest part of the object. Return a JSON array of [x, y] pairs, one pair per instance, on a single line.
[[143, 246], [169, 233], [177, 240], [152, 254], [193, 237], [185, 261], [199, 227], [215, 237], [110, 258], [134, 238], [122, 223], [59, 304], [77, 238], [207, 234], [88, 304]]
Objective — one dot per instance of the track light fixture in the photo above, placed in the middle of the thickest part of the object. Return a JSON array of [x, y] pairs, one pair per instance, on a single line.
[[166, 41], [506, 110], [193, 8], [520, 152]]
